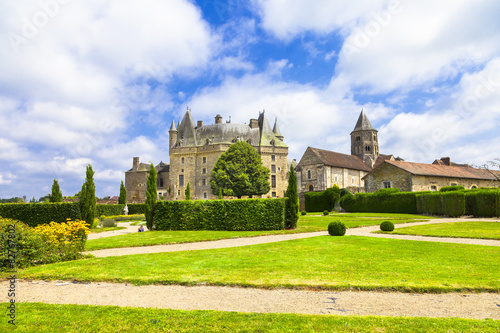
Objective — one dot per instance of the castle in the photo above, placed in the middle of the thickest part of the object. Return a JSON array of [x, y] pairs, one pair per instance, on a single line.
[[193, 150]]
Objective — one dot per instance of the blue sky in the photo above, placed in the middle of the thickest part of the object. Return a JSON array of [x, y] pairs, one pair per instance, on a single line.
[[99, 81]]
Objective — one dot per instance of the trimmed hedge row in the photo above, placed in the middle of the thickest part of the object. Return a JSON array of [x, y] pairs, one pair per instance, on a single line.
[[241, 215], [321, 201], [449, 203], [136, 209], [108, 210], [483, 203], [382, 201], [36, 214]]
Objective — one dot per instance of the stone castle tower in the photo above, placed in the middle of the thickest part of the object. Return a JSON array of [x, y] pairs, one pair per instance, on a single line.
[[364, 141]]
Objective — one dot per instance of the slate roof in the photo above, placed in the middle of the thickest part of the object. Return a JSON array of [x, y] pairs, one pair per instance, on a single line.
[[339, 160], [363, 123], [437, 170], [142, 167]]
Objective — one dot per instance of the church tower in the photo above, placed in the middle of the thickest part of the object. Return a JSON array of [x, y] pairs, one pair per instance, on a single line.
[[364, 141]]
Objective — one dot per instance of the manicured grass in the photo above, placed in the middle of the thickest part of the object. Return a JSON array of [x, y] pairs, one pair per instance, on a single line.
[[377, 215], [305, 224], [38, 317], [485, 230], [325, 262], [96, 231]]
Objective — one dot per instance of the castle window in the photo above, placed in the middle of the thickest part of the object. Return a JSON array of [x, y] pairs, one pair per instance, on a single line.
[[274, 194], [204, 171], [434, 188], [473, 187], [273, 168], [453, 184], [352, 180], [387, 184], [336, 178], [367, 148], [204, 160], [203, 182], [358, 138], [161, 182], [375, 137], [182, 159], [311, 188], [182, 170], [273, 158], [181, 180], [309, 174], [204, 195], [273, 181]]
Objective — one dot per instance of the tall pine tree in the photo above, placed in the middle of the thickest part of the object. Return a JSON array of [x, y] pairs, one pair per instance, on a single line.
[[188, 192], [87, 198], [151, 197], [56, 195], [292, 203], [122, 199]]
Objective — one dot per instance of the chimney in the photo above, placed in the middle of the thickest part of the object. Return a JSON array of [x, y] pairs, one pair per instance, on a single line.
[[446, 160], [199, 124], [254, 123], [218, 119], [135, 164]]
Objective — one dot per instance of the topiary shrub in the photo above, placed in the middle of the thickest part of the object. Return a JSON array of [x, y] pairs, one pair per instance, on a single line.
[[303, 212], [337, 228], [326, 212], [387, 226], [107, 223]]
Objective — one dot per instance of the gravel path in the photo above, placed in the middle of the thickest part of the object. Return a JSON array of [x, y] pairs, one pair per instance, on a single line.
[[479, 306], [245, 241]]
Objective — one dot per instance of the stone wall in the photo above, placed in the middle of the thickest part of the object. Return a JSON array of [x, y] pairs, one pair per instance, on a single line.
[[135, 183], [388, 173]]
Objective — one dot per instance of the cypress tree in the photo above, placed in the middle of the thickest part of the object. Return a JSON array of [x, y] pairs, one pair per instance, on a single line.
[[87, 198], [56, 195], [151, 197], [292, 203], [122, 199], [188, 192]]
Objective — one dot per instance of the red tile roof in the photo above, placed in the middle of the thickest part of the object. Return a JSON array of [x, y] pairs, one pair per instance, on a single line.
[[339, 160]]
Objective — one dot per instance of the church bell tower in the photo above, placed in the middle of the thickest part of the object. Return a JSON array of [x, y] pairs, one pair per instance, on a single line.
[[364, 141]]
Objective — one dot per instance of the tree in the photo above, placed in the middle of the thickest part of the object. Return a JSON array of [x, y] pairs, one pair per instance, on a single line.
[[220, 197], [56, 195], [122, 199], [87, 197], [151, 197], [188, 192], [292, 204], [239, 171], [488, 166]]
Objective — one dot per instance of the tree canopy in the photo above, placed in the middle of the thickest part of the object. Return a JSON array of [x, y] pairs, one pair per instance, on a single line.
[[239, 172], [56, 195]]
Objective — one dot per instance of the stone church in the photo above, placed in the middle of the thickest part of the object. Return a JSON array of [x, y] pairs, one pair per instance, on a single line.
[[195, 147], [320, 169]]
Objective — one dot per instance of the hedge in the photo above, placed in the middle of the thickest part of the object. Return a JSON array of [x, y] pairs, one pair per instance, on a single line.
[[483, 203], [35, 214], [321, 201], [452, 188], [136, 208], [108, 210], [381, 201], [241, 215]]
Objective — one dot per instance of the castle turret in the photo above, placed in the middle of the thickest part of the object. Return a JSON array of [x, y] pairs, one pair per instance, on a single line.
[[276, 130], [364, 140], [172, 133]]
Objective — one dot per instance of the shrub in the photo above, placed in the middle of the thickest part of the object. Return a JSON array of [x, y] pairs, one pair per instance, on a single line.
[[303, 212], [388, 200], [452, 188], [387, 226], [337, 228], [108, 210], [34, 214], [319, 201], [326, 212], [107, 223]]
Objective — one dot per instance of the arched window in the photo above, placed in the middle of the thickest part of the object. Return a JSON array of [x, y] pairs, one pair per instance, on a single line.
[[309, 174], [367, 148], [311, 188]]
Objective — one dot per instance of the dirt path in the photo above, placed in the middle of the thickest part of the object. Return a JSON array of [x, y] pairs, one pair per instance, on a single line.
[[479, 306], [236, 242], [129, 229]]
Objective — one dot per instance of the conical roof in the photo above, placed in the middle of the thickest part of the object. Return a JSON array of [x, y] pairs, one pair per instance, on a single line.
[[363, 123], [172, 128], [276, 129]]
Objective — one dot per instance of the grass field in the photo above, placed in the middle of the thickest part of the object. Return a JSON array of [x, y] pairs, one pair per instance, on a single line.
[[96, 231], [325, 262], [307, 223], [38, 317], [484, 230]]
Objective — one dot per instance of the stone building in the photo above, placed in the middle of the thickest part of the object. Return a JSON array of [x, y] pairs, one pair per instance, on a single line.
[[320, 169], [194, 148], [408, 176], [137, 178]]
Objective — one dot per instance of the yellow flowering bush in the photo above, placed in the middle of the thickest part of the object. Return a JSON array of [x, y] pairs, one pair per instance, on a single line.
[[65, 240]]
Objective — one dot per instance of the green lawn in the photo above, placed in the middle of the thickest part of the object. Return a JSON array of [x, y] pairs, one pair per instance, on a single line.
[[325, 262], [96, 231], [38, 317], [306, 223], [485, 230]]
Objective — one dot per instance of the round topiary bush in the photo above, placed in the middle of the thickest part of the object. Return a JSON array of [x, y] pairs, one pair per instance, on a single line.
[[303, 212], [387, 226], [337, 228], [326, 212]]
